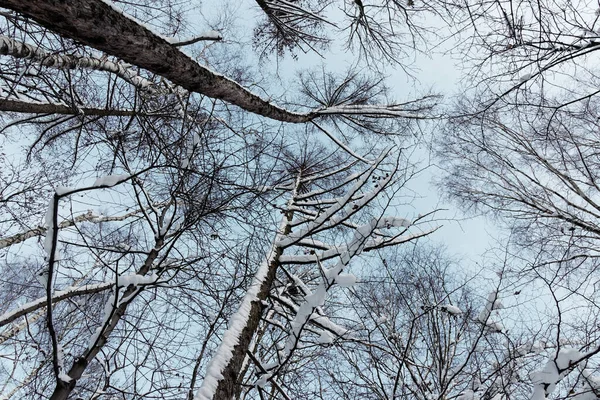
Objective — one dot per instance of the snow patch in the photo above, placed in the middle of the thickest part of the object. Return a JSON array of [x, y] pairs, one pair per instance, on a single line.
[[262, 381], [64, 377], [346, 280], [137, 280], [450, 309], [63, 190], [525, 77], [110, 180], [325, 338], [567, 357]]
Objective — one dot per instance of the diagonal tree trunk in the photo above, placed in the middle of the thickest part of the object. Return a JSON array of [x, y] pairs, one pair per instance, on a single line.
[[18, 49], [63, 389], [98, 25]]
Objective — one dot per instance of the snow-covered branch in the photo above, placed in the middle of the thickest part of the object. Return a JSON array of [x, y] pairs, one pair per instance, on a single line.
[[18, 49], [114, 309], [41, 230], [206, 36], [492, 303], [60, 295], [391, 111], [557, 367], [336, 251], [326, 218]]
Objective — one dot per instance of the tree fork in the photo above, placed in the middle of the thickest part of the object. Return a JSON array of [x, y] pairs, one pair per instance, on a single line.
[[63, 389]]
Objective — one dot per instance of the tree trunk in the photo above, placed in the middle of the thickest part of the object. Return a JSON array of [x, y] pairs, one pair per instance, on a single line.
[[98, 25], [228, 386], [63, 389]]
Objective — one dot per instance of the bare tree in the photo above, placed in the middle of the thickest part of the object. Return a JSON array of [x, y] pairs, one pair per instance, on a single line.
[[86, 22], [313, 211], [422, 332], [522, 148]]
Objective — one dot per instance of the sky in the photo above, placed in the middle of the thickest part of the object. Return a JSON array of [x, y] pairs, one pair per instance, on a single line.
[[437, 72]]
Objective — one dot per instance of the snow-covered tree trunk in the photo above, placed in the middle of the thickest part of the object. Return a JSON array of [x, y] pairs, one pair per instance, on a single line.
[[116, 307], [221, 380]]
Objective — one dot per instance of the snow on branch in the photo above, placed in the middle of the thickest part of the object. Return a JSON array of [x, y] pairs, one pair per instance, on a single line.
[[491, 304], [57, 296], [133, 284], [237, 322], [14, 48], [51, 223], [110, 180], [283, 306], [335, 251], [244, 321], [315, 299], [451, 309], [115, 308], [341, 203], [391, 110], [333, 212], [546, 379], [206, 36], [41, 230], [224, 354]]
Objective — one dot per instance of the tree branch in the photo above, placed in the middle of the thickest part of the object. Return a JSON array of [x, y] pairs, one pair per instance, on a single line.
[[10, 316], [53, 108], [41, 230], [99, 25], [18, 49]]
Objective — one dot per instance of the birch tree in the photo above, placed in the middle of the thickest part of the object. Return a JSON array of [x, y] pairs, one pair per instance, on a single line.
[[426, 332], [116, 241], [323, 201]]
